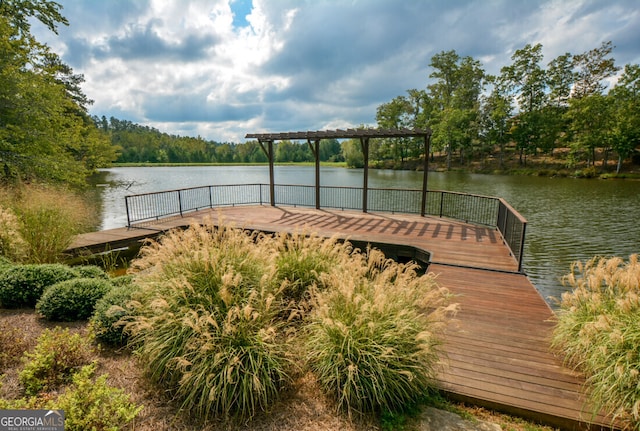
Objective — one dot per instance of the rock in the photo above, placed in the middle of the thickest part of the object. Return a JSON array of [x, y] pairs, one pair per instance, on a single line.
[[433, 419]]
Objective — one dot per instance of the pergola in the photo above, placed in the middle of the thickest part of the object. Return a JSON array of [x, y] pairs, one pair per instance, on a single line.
[[313, 138]]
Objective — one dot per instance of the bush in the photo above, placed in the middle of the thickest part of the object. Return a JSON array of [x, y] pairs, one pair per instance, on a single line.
[[207, 323], [91, 404], [90, 271], [55, 358], [5, 263], [597, 330], [88, 403], [12, 345], [111, 313], [22, 285], [374, 334], [73, 299]]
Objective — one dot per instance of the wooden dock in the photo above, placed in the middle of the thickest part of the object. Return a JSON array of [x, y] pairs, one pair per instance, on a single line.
[[497, 349]]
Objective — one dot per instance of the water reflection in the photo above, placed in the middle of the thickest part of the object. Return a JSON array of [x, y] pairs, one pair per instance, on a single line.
[[569, 219]]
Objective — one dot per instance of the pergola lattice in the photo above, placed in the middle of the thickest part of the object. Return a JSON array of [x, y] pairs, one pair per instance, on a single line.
[[313, 138]]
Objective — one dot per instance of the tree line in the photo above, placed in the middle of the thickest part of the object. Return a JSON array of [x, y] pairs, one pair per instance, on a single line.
[[583, 103], [528, 107], [143, 144]]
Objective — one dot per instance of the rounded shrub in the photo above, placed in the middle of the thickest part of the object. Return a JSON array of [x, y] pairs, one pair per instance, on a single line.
[[374, 334], [112, 311], [73, 299], [90, 271], [207, 322], [22, 285]]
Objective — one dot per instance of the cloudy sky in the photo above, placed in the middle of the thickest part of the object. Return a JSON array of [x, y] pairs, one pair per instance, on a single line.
[[224, 68]]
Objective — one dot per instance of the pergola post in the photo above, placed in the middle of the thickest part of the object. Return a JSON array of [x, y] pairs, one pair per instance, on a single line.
[[315, 149], [269, 152], [364, 135], [425, 172], [364, 142]]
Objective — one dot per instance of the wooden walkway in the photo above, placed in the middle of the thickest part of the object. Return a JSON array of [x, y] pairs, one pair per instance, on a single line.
[[497, 349]]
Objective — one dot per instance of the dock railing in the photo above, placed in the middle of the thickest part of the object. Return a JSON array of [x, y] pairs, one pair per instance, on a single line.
[[476, 209]]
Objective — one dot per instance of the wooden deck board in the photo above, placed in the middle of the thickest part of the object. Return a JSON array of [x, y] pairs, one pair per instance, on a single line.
[[497, 349]]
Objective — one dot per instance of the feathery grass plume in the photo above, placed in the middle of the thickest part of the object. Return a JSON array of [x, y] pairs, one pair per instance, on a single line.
[[302, 261], [12, 245], [598, 331], [374, 333], [206, 322], [49, 220]]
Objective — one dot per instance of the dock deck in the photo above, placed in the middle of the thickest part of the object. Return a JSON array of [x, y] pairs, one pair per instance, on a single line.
[[497, 349]]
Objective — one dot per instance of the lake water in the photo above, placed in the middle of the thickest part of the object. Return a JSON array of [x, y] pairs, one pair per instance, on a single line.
[[568, 219]]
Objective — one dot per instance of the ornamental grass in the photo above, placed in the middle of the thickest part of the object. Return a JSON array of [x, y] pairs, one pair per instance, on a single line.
[[598, 330], [374, 334], [38, 223], [224, 319], [207, 325]]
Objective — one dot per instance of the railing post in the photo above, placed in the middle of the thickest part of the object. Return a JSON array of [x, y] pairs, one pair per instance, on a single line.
[[364, 143], [524, 228], [180, 202], [441, 202], [423, 208], [126, 204]]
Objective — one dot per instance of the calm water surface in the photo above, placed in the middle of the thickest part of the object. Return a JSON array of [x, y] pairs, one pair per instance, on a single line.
[[568, 219]]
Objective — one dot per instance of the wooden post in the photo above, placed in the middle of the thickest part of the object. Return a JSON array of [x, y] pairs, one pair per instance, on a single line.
[[364, 142], [315, 149], [269, 152], [425, 173]]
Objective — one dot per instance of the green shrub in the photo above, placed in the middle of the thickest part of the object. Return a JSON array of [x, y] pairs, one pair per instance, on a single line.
[[5, 263], [88, 403], [207, 325], [22, 285], [91, 404], [55, 358], [90, 271], [73, 299], [111, 313], [598, 332], [374, 334]]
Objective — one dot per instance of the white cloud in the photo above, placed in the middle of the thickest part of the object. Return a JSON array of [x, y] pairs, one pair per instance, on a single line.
[[183, 67]]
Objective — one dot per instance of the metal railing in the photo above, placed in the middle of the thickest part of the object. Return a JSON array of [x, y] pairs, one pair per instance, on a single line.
[[476, 209]]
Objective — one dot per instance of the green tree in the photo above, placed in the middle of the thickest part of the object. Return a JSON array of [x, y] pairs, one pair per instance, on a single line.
[[330, 150], [592, 68], [496, 113], [626, 113], [527, 81], [591, 120], [352, 151], [45, 132], [455, 98]]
